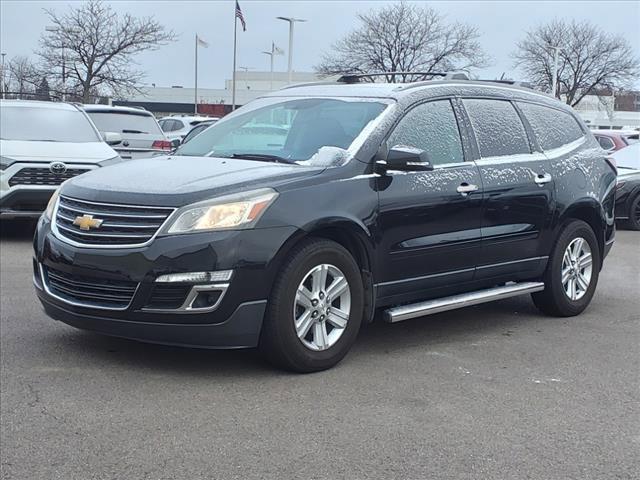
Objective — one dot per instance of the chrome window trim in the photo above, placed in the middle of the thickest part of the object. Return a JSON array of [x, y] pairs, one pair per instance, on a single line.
[[81, 304], [186, 307], [60, 236]]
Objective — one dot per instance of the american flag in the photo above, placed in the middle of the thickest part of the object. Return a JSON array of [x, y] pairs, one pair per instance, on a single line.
[[240, 16]]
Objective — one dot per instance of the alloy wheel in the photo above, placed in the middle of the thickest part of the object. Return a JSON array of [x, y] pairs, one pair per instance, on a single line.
[[321, 307], [577, 266]]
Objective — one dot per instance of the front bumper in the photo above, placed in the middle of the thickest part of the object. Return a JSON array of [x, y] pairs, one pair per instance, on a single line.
[[234, 323]]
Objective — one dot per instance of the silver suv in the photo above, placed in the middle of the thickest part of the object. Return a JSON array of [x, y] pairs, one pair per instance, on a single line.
[[142, 137], [42, 144]]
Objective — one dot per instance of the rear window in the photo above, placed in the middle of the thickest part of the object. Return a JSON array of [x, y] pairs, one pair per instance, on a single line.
[[498, 128], [553, 128], [130, 123], [45, 124]]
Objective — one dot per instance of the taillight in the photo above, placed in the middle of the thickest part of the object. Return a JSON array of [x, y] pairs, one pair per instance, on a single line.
[[161, 145], [612, 163]]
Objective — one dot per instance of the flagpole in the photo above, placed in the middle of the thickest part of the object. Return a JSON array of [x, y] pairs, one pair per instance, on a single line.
[[195, 98], [273, 47], [233, 81]]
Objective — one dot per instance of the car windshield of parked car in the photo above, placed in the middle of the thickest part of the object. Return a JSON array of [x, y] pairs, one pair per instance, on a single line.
[[123, 122], [45, 125], [288, 130]]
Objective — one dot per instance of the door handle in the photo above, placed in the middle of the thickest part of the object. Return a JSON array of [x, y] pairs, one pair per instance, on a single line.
[[542, 178], [465, 189]]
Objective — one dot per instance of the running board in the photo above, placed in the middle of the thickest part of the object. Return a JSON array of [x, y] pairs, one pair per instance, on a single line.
[[405, 312]]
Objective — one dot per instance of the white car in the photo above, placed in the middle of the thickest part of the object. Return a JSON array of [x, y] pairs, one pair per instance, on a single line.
[[177, 127], [628, 157], [142, 137], [42, 144]]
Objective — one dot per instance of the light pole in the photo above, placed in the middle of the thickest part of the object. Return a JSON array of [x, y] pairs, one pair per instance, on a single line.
[[291, 21], [3, 86], [554, 74], [54, 29]]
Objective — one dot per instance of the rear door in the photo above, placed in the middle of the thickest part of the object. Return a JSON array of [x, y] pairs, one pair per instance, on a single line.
[[519, 191], [429, 222]]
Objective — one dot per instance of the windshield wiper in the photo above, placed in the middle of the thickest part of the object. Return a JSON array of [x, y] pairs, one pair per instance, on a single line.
[[262, 157]]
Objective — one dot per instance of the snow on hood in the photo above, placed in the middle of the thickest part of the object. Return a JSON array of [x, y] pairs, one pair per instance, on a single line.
[[179, 180], [87, 152]]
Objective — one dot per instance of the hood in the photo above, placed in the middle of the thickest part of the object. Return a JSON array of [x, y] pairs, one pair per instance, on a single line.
[[88, 152], [177, 181]]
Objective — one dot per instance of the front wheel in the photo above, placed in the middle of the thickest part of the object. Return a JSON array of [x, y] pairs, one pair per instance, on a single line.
[[572, 272], [634, 214], [315, 309]]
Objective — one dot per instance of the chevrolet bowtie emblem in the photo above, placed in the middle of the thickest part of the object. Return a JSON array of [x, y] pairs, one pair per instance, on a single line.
[[87, 222]]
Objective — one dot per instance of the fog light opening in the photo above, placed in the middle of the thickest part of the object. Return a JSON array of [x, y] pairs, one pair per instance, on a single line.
[[206, 299]]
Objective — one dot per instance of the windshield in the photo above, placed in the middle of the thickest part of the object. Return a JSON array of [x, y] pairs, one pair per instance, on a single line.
[[124, 122], [45, 124], [288, 130]]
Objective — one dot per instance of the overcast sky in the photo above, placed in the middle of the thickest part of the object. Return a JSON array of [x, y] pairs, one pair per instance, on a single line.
[[500, 23]]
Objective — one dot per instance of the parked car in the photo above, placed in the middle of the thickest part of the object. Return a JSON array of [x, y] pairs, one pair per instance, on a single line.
[[409, 199], [42, 144], [177, 128], [200, 127], [612, 140], [628, 188], [142, 137]]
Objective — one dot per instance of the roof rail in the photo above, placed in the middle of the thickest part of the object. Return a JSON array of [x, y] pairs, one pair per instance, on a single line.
[[358, 77], [515, 83], [305, 84]]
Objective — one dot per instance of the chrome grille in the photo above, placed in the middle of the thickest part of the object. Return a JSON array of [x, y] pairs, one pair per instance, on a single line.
[[122, 225], [43, 176], [89, 291]]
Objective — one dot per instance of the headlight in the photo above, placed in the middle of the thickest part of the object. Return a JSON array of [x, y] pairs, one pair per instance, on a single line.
[[238, 211], [5, 162], [48, 213], [110, 161]]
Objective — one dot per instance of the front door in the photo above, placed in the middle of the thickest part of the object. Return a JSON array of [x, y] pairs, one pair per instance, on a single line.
[[518, 190], [429, 222]]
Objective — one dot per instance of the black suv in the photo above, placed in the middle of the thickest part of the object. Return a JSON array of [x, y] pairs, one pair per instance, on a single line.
[[290, 222]]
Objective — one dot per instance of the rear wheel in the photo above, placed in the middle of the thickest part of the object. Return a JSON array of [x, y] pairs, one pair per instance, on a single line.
[[315, 308], [634, 214], [572, 272]]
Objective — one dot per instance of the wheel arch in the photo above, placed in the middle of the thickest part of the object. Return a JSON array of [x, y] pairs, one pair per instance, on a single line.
[[589, 211]]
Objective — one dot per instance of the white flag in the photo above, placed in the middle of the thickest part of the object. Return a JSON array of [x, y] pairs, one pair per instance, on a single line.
[[276, 50], [201, 42]]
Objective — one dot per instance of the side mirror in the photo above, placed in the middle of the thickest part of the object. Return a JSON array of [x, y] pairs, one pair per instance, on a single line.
[[175, 143], [112, 138], [406, 159]]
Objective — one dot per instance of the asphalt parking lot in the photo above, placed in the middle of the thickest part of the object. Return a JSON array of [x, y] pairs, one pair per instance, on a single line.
[[496, 391]]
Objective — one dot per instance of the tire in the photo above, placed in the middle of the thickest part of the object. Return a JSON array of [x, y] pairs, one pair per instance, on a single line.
[[556, 299], [290, 310], [634, 214]]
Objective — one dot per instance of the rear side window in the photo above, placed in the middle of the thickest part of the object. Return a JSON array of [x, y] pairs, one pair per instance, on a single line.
[[170, 125], [553, 128], [498, 128], [431, 127]]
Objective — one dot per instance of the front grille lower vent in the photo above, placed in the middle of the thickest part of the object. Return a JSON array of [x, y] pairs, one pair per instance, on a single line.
[[43, 176], [89, 291], [102, 224]]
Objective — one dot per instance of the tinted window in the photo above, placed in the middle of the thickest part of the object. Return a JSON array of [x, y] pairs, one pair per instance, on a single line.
[[169, 125], [431, 127], [498, 128], [45, 124], [195, 131], [124, 122], [552, 127], [605, 143]]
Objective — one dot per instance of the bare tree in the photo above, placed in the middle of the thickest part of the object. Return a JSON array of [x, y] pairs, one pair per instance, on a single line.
[[589, 59], [92, 47], [23, 75], [404, 37]]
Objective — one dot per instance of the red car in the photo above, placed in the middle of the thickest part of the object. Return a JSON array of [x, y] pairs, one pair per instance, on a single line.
[[612, 140]]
